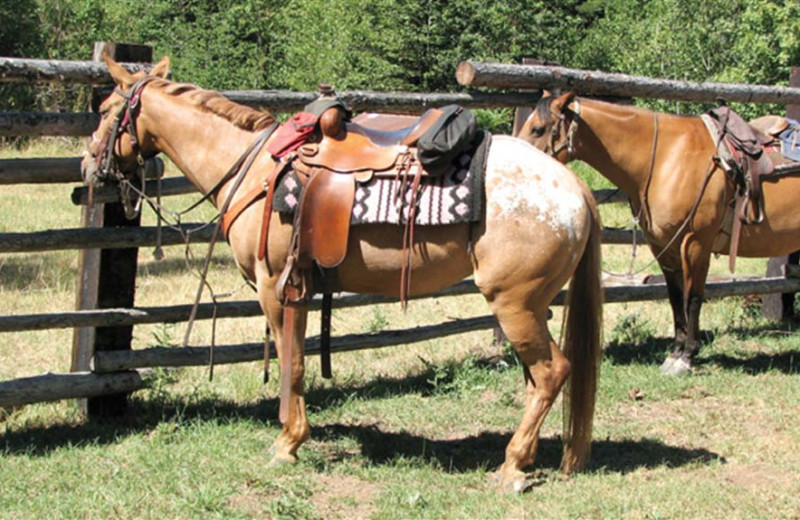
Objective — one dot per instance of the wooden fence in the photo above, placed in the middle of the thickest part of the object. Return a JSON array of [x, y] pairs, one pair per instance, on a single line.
[[104, 368]]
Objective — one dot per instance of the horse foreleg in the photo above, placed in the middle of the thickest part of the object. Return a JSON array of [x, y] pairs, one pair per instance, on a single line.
[[295, 429], [674, 280], [695, 259], [548, 370]]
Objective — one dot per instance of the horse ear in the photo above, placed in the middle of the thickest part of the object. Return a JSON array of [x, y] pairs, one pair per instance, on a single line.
[[121, 77], [161, 69], [564, 100]]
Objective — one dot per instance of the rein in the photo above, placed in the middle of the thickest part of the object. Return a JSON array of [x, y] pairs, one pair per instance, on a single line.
[[239, 169], [125, 121], [644, 208]]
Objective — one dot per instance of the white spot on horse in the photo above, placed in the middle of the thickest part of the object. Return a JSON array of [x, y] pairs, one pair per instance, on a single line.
[[522, 185]]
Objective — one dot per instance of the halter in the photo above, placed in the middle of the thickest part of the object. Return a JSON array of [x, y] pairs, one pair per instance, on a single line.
[[568, 142]]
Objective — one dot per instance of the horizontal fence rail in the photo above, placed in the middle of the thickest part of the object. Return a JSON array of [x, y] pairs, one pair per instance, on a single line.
[[507, 76], [40, 171], [82, 124], [196, 356], [102, 238], [60, 170], [76, 385], [27, 70], [147, 236], [614, 293]]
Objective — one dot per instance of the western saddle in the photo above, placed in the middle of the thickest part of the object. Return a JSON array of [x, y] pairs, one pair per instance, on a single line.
[[339, 154], [748, 162]]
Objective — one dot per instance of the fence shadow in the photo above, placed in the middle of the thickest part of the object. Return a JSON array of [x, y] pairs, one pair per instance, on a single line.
[[650, 352], [483, 451], [144, 415]]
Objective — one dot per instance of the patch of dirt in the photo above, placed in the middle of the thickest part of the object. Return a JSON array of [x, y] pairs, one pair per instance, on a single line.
[[759, 477], [743, 433], [252, 501], [344, 496]]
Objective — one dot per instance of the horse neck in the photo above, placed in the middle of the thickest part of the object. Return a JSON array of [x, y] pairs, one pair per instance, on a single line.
[[617, 141], [202, 145]]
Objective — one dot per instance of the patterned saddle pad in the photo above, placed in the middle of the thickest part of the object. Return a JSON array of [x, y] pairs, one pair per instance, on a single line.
[[453, 199]]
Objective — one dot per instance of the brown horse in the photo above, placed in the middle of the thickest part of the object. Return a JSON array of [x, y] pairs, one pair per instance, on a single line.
[[540, 228], [662, 162]]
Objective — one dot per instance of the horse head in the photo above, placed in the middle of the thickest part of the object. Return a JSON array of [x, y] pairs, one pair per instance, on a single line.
[[552, 124], [118, 147]]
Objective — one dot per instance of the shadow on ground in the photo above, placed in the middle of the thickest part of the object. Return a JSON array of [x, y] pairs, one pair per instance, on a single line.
[[485, 450], [651, 352]]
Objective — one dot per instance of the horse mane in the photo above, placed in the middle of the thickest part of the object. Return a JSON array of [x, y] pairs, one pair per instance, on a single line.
[[242, 116]]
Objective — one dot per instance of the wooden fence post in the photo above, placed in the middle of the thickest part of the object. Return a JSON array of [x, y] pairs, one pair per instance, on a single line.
[[106, 278], [781, 306]]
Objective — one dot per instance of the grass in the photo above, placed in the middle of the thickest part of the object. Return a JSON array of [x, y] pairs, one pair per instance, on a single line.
[[406, 432]]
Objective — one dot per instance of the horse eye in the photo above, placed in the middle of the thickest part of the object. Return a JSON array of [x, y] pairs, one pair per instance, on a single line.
[[538, 131]]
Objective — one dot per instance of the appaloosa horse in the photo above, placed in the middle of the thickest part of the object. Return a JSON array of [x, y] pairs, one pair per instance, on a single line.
[[539, 228], [681, 195]]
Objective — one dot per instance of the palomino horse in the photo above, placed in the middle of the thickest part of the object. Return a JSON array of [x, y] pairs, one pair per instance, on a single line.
[[664, 165], [540, 228]]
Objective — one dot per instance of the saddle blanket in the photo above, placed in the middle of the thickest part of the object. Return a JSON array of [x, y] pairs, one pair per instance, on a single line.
[[452, 199], [790, 140]]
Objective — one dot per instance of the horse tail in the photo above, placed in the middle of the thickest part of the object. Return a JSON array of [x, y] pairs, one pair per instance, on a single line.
[[583, 349]]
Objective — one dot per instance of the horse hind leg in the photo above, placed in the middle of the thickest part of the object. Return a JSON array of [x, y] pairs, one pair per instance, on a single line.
[[546, 371]]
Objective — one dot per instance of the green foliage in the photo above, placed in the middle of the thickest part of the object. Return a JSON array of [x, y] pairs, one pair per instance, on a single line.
[[738, 41], [632, 329], [378, 322], [411, 45]]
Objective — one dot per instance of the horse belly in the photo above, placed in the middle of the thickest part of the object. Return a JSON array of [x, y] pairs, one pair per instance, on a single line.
[[779, 234], [374, 259]]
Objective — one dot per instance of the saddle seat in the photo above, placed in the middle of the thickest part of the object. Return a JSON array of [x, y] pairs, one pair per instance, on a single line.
[[770, 125], [391, 129], [373, 145]]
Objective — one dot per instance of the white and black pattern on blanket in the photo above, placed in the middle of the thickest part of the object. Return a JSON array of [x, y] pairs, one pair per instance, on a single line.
[[453, 199]]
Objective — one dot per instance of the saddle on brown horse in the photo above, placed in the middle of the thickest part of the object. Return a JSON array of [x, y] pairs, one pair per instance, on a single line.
[[743, 152], [331, 152]]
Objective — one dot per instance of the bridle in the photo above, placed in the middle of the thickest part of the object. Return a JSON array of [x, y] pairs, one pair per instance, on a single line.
[[108, 166], [124, 122], [554, 146]]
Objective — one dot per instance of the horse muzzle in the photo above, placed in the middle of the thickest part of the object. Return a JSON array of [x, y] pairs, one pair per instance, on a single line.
[[89, 169]]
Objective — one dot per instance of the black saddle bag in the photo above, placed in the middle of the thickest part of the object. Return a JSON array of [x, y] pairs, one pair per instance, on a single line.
[[450, 136]]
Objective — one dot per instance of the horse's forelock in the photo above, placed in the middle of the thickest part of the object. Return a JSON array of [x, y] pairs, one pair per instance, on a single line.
[[543, 107]]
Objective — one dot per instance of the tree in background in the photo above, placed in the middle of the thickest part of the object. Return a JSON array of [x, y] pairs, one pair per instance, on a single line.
[[410, 45], [738, 41]]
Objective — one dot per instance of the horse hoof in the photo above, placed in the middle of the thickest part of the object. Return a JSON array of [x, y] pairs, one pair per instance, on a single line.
[[514, 482], [667, 364], [680, 367], [281, 459]]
